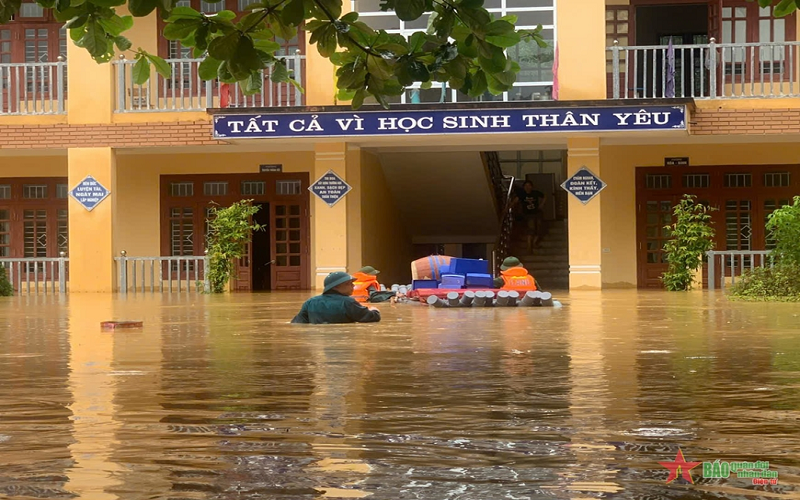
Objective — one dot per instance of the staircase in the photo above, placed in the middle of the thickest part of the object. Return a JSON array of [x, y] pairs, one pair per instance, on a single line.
[[549, 263]]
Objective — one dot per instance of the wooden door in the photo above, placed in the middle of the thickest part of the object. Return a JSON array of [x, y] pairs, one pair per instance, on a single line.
[[243, 271], [715, 32], [289, 246], [653, 215]]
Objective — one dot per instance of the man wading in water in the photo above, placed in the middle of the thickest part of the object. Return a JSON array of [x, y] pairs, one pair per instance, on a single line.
[[336, 305]]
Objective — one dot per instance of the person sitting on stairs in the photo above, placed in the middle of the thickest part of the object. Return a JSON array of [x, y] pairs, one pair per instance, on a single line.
[[514, 276]]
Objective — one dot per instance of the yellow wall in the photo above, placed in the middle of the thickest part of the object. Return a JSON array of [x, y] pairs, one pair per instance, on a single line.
[[33, 166], [385, 244], [618, 201], [138, 196], [581, 49]]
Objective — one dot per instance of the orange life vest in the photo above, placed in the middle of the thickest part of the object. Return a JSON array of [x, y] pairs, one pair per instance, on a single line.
[[363, 284], [517, 278]]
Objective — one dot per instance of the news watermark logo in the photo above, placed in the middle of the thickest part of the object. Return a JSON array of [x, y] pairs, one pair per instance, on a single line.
[[758, 472]]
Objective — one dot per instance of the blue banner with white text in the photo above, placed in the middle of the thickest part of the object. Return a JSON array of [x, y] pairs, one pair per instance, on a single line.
[[449, 121]]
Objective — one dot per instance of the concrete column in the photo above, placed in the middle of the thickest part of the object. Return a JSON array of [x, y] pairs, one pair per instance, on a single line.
[[91, 234], [355, 251], [329, 224], [585, 250], [581, 37], [91, 88]]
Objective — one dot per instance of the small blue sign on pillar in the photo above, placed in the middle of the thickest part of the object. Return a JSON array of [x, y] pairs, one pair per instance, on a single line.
[[330, 188], [584, 185], [89, 193]]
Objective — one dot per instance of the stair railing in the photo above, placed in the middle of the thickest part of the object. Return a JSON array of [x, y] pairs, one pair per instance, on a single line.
[[503, 242]]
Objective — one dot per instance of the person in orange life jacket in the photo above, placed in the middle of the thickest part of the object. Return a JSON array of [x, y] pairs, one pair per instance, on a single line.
[[514, 277], [367, 288], [366, 282]]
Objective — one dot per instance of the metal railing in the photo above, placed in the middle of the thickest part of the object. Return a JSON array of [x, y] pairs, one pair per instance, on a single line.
[[733, 263], [503, 242], [171, 274], [35, 275], [183, 90], [33, 88], [706, 71]]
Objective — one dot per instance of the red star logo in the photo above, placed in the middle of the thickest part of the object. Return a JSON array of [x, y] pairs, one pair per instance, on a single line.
[[680, 467]]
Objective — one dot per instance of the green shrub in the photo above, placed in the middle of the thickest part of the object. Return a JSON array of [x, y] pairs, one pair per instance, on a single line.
[[229, 231], [783, 227], [6, 289], [780, 283], [691, 236]]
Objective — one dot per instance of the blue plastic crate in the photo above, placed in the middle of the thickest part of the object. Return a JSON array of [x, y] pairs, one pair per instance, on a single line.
[[453, 281], [480, 280], [469, 266], [424, 284]]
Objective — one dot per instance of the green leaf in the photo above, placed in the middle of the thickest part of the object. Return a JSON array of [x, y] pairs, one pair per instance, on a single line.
[[784, 8], [378, 67], [107, 3], [410, 10], [358, 98], [502, 34], [471, 4], [293, 12], [416, 41], [279, 73], [77, 22], [268, 46], [184, 13], [350, 17], [223, 48], [253, 84], [94, 39], [209, 68], [122, 43], [141, 71], [161, 66], [332, 7], [141, 8], [115, 25], [181, 28], [327, 42], [224, 15]]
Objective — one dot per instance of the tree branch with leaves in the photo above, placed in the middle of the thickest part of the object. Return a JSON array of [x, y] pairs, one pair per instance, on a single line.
[[464, 45]]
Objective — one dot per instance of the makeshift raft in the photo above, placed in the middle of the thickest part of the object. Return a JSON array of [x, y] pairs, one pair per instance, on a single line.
[[483, 298]]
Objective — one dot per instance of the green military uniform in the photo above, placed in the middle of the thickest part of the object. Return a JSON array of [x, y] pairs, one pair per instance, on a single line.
[[334, 307]]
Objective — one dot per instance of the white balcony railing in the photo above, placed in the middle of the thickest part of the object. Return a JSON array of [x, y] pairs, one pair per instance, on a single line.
[[183, 90], [705, 71], [33, 88]]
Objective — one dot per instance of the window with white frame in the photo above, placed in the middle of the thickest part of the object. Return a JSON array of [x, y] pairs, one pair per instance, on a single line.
[[535, 78]]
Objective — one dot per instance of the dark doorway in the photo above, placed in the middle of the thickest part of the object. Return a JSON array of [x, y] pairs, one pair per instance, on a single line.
[[262, 251], [686, 25]]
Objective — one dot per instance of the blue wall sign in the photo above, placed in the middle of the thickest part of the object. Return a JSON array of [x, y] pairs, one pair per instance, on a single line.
[[584, 185], [89, 193], [330, 188], [450, 121]]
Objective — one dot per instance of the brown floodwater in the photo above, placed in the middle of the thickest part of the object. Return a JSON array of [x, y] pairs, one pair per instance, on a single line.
[[220, 398]]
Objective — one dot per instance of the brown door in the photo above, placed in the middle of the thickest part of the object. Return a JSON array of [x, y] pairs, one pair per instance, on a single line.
[[715, 32], [290, 247], [652, 217], [243, 278]]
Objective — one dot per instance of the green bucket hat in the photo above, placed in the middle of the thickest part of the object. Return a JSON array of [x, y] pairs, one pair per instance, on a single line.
[[510, 262], [335, 279], [369, 270]]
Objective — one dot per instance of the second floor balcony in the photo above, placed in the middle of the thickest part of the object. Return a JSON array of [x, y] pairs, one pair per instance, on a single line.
[[704, 71], [184, 90]]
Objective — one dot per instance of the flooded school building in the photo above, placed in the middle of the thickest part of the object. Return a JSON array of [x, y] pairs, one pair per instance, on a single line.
[[103, 181]]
